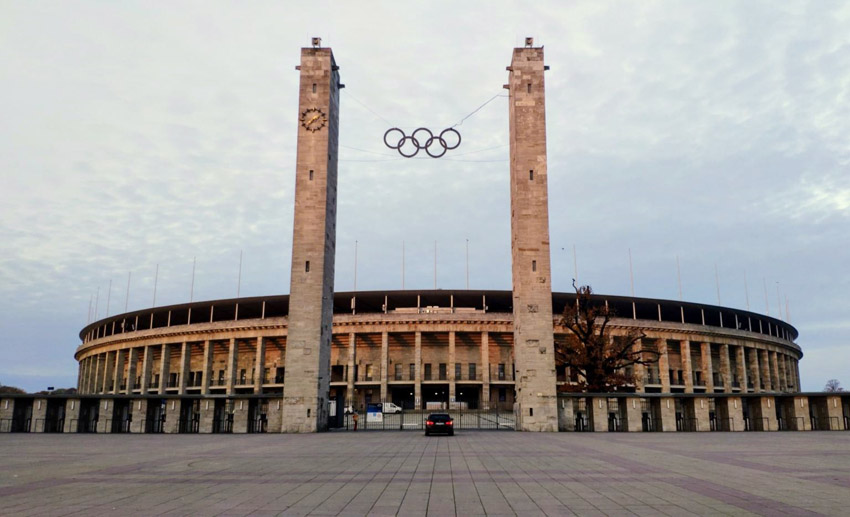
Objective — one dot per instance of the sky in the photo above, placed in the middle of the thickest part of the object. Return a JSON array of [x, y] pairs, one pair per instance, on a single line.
[[133, 138]]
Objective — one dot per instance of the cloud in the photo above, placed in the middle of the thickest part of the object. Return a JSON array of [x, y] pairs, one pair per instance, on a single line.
[[134, 137]]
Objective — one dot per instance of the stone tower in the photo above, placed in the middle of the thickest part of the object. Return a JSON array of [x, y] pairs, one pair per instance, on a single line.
[[532, 288], [305, 404]]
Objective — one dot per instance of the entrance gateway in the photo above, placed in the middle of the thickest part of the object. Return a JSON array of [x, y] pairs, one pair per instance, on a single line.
[[306, 396]]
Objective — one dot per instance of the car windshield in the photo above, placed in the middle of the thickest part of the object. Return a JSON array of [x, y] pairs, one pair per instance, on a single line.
[[439, 417]]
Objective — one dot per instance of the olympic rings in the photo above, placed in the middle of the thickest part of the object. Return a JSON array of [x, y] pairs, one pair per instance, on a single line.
[[409, 145]]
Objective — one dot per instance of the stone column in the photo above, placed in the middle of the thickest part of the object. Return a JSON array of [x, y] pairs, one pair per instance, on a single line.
[[634, 422], [147, 364], [764, 413], [707, 367], [240, 416], [598, 409], [118, 376], [485, 370], [185, 367], [385, 364], [164, 368], [72, 415], [668, 414], [352, 361], [207, 415], [726, 368], [232, 358], [138, 414], [798, 414], [417, 391], [97, 379], [108, 372], [639, 369], [754, 370], [741, 365], [39, 415], [774, 372], [764, 369], [730, 413], [687, 366], [700, 414], [797, 375], [104, 419], [260, 363], [451, 372], [664, 365], [780, 365], [209, 349], [172, 417], [132, 361]]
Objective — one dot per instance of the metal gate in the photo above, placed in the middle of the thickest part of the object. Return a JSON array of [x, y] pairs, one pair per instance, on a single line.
[[414, 420]]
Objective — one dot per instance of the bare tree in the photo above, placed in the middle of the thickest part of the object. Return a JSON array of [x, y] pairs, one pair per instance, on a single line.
[[599, 359], [832, 386]]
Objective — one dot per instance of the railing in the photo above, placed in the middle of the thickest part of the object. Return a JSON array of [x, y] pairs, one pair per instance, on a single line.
[[223, 425], [501, 375], [50, 425], [86, 425], [258, 424], [118, 426], [414, 420], [652, 378], [825, 423], [190, 425], [723, 424], [156, 425], [689, 425]]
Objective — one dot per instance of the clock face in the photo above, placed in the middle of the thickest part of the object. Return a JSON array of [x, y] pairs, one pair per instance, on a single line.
[[313, 119]]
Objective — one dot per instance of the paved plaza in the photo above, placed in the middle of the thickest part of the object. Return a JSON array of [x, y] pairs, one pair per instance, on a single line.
[[405, 473]]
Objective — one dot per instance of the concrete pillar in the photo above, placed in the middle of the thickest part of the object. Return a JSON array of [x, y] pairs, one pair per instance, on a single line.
[[726, 368], [39, 413], [108, 372], [273, 416], [764, 369], [797, 411], [417, 391], [385, 364], [185, 367], [633, 422], [639, 369], [172, 416], [451, 372], [118, 374], [308, 346], [566, 418], [730, 413], [209, 349], [763, 413], [754, 369], [104, 418], [232, 359], [534, 351], [260, 362], [147, 364], [797, 375], [97, 378], [240, 416], [741, 366], [699, 414], [138, 413], [485, 371], [164, 368], [664, 365], [7, 412], [72, 415], [780, 369], [205, 425], [598, 409], [835, 412], [668, 414], [707, 367], [687, 365], [774, 372], [352, 361], [132, 361]]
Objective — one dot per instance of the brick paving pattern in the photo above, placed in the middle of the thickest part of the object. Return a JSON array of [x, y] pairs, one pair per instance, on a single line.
[[405, 473]]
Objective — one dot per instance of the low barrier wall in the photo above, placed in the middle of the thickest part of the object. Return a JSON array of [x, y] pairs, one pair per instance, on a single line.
[[582, 412]]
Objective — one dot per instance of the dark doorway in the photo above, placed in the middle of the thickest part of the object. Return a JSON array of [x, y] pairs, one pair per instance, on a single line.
[[22, 416], [89, 414], [121, 416], [155, 416], [258, 410], [54, 421], [190, 416], [222, 418], [403, 396]]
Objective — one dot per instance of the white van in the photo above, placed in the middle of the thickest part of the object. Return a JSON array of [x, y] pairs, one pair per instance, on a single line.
[[389, 407]]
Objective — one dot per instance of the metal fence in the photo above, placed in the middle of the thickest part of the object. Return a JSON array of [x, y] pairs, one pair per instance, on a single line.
[[414, 420]]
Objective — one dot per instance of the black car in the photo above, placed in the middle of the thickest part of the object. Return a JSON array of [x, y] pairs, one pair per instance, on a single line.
[[439, 423]]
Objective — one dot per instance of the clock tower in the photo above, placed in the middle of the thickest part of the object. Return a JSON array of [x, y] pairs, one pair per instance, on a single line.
[[306, 386]]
